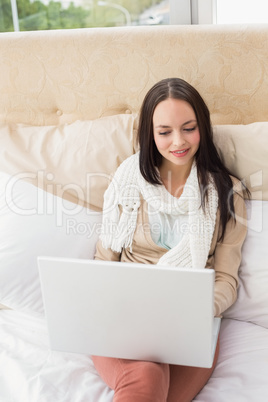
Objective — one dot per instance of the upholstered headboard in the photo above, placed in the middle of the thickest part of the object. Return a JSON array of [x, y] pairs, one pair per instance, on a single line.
[[54, 83], [54, 77]]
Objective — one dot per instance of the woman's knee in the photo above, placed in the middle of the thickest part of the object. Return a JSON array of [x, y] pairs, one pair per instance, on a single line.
[[154, 373], [147, 380], [133, 380]]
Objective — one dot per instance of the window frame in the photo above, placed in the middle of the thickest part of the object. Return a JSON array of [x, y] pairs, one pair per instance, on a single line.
[[193, 12], [182, 12]]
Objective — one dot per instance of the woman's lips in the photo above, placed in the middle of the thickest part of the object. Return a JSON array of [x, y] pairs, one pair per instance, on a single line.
[[180, 153]]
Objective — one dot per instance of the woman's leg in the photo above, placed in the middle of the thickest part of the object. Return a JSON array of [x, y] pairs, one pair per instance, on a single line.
[[134, 381], [187, 382]]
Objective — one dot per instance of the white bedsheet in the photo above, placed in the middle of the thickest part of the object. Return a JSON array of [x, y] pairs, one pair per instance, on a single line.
[[241, 374], [30, 372]]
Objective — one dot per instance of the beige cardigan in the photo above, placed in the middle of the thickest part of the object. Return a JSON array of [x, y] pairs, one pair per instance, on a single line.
[[224, 257]]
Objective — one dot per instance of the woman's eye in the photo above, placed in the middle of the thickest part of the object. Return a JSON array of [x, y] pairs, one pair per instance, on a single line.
[[164, 133], [188, 130]]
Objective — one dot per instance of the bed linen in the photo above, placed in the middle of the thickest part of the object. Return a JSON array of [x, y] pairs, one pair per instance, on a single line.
[[242, 370], [31, 372]]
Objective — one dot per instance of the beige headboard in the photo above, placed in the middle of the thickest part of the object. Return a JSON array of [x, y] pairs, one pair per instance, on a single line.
[[53, 77]]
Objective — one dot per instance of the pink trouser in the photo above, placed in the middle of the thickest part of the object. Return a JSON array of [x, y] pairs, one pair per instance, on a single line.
[[140, 381]]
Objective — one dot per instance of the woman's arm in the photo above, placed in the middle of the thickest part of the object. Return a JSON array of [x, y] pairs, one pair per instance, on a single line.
[[227, 258]]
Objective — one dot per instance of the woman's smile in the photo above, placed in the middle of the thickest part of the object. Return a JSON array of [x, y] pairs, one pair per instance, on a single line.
[[180, 153]]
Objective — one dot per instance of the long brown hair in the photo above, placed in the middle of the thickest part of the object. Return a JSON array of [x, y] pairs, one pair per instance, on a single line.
[[207, 158]]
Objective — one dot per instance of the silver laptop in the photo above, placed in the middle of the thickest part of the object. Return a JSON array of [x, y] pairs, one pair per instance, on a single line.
[[133, 311]]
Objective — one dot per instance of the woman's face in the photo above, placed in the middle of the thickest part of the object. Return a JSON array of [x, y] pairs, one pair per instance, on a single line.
[[176, 132]]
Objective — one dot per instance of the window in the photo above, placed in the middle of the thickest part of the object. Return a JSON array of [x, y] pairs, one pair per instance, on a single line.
[[6, 23], [59, 14], [27, 15], [228, 11], [242, 11]]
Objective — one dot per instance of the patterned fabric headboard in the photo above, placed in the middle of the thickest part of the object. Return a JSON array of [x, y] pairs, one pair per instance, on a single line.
[[53, 77]]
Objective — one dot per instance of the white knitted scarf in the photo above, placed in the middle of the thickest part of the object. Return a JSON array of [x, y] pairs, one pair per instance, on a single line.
[[122, 201]]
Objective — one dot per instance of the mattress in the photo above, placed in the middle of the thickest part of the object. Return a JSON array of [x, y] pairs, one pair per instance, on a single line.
[[30, 371]]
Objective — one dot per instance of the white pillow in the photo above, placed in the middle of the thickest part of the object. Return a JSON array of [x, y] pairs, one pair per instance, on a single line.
[[34, 222], [252, 301], [73, 161], [244, 148]]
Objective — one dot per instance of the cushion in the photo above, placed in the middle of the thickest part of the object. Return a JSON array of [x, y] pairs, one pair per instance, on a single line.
[[74, 161], [252, 301], [34, 222], [244, 149]]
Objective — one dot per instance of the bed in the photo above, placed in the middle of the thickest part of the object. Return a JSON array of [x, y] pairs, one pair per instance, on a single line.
[[68, 117]]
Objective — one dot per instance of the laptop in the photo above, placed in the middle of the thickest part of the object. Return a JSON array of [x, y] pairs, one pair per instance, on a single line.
[[128, 310]]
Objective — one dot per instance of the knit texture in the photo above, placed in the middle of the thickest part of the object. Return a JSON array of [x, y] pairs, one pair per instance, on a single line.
[[122, 201]]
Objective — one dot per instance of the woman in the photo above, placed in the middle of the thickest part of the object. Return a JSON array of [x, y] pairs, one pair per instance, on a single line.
[[172, 203]]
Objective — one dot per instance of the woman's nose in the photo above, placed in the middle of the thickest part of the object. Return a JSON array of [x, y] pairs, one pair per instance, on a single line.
[[178, 138]]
